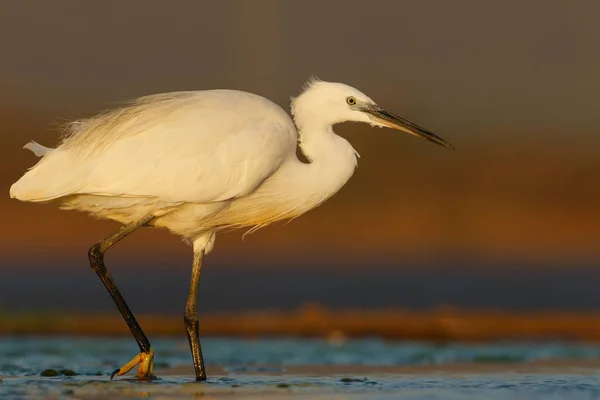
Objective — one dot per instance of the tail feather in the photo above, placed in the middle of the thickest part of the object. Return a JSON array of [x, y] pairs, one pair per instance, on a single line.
[[49, 179], [37, 148]]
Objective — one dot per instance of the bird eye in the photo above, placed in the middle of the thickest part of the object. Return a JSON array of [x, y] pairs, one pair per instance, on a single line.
[[351, 100]]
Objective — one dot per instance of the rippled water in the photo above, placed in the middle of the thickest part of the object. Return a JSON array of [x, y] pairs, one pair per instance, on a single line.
[[261, 369]]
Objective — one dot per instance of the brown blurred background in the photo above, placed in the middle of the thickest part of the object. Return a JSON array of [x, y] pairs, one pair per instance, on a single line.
[[509, 220]]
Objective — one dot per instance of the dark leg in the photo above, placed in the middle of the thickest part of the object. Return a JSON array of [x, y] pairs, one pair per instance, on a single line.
[[190, 318], [96, 256]]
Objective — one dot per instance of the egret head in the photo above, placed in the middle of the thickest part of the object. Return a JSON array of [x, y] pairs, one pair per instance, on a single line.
[[328, 103]]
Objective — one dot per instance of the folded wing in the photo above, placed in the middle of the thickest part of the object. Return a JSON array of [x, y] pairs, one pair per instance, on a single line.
[[197, 147]]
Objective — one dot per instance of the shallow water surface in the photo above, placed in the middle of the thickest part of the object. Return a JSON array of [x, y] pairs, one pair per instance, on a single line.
[[283, 368]]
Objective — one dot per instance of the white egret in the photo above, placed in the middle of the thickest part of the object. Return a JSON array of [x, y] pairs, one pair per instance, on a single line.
[[199, 162]]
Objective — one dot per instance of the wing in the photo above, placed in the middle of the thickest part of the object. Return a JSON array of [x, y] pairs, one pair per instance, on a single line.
[[195, 147]]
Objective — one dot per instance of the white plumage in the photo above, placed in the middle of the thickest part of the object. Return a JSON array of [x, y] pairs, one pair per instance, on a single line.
[[200, 162], [208, 160], [203, 161]]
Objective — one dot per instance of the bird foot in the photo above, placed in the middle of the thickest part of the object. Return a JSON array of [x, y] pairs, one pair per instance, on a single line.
[[145, 368]]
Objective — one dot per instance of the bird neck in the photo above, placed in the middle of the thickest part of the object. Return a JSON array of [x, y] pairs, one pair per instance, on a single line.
[[321, 144], [332, 159]]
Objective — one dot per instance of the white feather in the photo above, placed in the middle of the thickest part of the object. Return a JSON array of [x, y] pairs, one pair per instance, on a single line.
[[37, 148], [200, 161]]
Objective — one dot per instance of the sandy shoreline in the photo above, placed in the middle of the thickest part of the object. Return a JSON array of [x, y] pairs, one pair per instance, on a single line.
[[575, 366], [564, 379]]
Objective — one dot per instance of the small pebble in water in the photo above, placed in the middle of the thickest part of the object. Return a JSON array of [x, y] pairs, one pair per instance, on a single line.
[[49, 372], [68, 372], [349, 380]]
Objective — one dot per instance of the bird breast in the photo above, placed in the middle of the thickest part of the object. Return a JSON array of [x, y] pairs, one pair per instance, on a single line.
[[292, 190]]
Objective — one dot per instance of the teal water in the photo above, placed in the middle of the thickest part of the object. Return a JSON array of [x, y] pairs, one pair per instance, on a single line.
[[257, 369], [92, 356]]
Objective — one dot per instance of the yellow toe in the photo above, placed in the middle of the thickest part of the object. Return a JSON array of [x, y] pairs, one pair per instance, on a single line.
[[145, 368]]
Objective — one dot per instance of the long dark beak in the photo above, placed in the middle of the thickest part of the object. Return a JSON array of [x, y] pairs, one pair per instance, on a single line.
[[380, 116]]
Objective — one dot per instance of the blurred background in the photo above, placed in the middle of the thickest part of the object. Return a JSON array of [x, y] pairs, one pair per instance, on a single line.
[[509, 221]]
